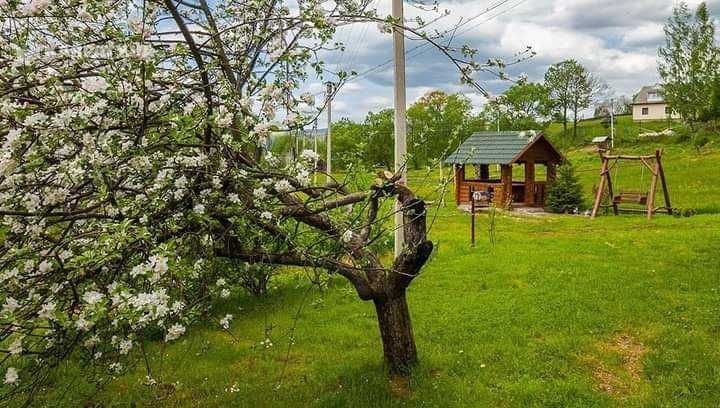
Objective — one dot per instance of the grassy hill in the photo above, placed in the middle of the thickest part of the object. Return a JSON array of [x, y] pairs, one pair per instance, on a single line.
[[561, 311], [626, 130]]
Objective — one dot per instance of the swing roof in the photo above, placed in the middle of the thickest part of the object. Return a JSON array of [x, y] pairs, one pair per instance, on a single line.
[[504, 148]]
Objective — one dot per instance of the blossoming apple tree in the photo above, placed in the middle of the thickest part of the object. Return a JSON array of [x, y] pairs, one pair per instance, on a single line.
[[133, 137]]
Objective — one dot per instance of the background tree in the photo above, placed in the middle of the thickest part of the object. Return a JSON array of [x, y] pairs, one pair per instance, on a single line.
[[572, 89], [559, 80], [621, 105], [380, 135], [350, 143], [689, 62], [437, 124], [527, 106]]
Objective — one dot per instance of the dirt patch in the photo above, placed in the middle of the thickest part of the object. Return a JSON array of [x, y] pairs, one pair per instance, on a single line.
[[400, 387], [624, 379]]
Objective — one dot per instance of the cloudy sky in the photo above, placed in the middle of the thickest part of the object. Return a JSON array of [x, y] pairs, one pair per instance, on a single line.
[[617, 39]]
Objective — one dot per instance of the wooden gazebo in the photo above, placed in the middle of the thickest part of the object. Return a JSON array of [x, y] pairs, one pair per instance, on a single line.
[[503, 150]]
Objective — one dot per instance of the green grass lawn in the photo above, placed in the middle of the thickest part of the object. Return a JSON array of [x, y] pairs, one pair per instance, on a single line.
[[562, 311]]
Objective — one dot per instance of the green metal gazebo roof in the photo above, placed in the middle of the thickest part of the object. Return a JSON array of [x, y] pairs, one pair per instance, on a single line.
[[492, 147]]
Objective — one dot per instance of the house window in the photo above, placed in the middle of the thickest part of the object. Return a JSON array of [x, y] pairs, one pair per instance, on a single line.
[[668, 111], [645, 111]]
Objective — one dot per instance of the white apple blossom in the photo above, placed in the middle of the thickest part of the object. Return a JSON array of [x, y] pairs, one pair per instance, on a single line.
[[36, 6], [47, 311], [260, 193], [225, 321], [125, 346], [11, 375], [283, 186], [143, 52], [10, 305], [95, 84], [174, 332], [16, 347], [92, 297], [45, 266], [309, 155], [83, 324]]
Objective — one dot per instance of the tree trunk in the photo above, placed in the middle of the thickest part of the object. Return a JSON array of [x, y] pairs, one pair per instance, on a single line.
[[396, 332], [564, 121], [574, 123]]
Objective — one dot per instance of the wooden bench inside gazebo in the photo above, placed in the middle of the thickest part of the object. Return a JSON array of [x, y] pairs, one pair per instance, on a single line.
[[501, 151]]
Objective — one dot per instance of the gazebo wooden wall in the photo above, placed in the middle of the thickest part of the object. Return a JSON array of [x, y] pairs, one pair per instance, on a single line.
[[502, 187]]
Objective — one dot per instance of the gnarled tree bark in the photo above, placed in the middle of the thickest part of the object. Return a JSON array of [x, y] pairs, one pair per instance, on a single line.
[[391, 304]]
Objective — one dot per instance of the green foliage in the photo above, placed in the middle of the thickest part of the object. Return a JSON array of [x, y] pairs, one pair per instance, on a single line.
[[524, 106], [712, 112], [437, 124], [565, 194], [380, 130], [349, 143], [282, 144], [689, 62], [572, 89]]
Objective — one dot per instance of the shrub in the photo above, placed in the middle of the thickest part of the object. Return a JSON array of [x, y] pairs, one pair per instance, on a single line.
[[564, 195], [253, 278], [684, 212]]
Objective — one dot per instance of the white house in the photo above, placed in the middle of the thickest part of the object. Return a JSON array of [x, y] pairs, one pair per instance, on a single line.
[[649, 104]]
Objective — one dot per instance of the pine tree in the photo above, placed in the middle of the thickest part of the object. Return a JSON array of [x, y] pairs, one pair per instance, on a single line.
[[564, 195]]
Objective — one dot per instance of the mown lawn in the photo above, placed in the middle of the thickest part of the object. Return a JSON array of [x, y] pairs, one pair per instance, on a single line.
[[561, 311]]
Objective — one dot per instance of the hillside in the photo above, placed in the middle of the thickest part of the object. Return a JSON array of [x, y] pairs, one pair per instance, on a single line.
[[626, 130], [562, 310]]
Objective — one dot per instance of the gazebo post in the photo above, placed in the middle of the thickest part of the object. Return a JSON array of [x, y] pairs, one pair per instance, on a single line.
[[459, 181], [551, 173], [530, 183], [506, 180]]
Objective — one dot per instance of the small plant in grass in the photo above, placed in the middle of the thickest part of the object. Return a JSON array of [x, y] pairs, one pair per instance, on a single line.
[[254, 278], [565, 194], [492, 216]]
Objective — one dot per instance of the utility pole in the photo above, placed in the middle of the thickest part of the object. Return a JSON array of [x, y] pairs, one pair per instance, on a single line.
[[315, 149], [328, 137], [612, 123], [400, 125]]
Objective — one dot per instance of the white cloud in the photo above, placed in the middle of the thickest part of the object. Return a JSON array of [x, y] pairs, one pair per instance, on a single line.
[[617, 39], [648, 34]]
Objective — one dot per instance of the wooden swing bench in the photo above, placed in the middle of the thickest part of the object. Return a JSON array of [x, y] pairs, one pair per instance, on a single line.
[[631, 197]]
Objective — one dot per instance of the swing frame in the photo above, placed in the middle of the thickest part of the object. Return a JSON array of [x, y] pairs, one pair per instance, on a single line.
[[654, 164]]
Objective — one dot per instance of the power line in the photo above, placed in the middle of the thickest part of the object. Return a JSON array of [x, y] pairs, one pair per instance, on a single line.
[[423, 47], [425, 44]]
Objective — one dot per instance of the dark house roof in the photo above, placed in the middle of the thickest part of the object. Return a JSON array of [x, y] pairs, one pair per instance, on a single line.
[[642, 97], [499, 148]]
